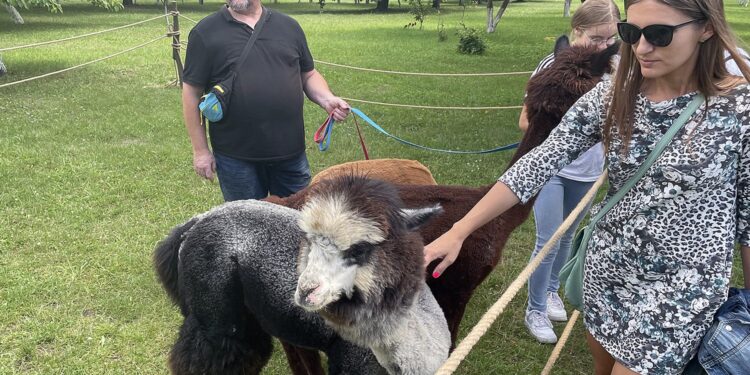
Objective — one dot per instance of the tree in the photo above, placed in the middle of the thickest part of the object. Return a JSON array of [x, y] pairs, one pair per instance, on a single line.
[[14, 15], [382, 6], [54, 6], [493, 21]]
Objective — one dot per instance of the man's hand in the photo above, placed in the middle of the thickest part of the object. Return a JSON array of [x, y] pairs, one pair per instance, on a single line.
[[338, 107], [204, 165], [317, 90]]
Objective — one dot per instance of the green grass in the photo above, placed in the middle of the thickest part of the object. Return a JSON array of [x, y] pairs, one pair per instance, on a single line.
[[95, 168]]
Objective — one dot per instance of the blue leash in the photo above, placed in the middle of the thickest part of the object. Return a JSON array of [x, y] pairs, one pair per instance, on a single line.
[[327, 127]]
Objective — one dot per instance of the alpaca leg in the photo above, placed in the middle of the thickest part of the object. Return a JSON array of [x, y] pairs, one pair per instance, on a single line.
[[219, 335], [302, 361], [228, 349]]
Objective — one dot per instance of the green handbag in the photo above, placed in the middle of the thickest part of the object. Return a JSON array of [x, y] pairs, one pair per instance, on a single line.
[[571, 275]]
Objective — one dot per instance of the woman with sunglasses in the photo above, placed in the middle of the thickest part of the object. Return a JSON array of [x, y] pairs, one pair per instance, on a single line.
[[593, 24], [658, 264]]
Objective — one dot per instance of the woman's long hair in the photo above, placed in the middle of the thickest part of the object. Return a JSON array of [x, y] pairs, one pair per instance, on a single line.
[[712, 76]]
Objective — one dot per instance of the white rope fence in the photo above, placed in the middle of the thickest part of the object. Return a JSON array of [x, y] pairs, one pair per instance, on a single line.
[[423, 74], [79, 36], [188, 18], [467, 344], [84, 64], [560, 343], [429, 106]]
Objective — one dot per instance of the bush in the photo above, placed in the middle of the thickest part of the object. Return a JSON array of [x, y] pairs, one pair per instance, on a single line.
[[419, 10], [442, 35], [470, 41]]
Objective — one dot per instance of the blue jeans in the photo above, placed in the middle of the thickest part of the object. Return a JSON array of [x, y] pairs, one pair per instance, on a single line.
[[553, 204], [242, 179], [725, 349]]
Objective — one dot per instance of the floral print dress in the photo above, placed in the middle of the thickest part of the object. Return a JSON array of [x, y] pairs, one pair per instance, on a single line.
[[658, 264]]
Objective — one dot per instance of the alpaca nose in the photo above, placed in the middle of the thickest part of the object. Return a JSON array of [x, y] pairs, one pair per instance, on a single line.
[[306, 293]]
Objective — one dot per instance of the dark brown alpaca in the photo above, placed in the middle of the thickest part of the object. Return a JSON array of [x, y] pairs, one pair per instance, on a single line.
[[575, 71]]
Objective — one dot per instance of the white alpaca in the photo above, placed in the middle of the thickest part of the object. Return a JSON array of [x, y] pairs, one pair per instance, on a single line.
[[361, 268]]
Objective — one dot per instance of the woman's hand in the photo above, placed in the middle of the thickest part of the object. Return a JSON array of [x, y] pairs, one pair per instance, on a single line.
[[499, 199], [445, 247]]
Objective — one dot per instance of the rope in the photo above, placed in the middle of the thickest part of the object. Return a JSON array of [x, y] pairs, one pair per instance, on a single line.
[[560, 343], [429, 107], [491, 315], [78, 36], [82, 65], [423, 74], [188, 18]]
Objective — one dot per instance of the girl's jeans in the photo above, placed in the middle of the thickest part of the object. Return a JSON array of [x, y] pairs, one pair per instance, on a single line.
[[725, 349], [553, 204]]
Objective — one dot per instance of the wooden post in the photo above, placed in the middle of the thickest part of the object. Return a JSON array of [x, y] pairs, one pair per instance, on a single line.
[[175, 32]]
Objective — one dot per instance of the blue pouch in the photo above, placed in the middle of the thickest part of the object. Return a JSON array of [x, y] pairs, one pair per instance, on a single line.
[[211, 107], [215, 103]]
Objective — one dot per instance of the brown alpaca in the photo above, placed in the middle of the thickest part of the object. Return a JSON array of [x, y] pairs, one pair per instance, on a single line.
[[575, 71], [395, 171]]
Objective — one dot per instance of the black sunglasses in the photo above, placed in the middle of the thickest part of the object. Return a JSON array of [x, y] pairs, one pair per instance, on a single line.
[[657, 35]]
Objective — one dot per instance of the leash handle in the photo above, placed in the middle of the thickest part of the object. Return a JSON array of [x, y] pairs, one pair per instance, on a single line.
[[322, 136]]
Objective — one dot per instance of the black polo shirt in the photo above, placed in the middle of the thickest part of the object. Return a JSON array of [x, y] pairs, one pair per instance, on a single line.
[[264, 121]]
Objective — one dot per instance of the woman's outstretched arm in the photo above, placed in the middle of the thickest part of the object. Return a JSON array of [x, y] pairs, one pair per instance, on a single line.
[[499, 199]]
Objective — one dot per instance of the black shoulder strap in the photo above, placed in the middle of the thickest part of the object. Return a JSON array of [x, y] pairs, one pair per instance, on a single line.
[[265, 13]]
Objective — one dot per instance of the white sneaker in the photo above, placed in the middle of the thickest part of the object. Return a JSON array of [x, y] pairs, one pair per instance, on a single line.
[[556, 308], [540, 327]]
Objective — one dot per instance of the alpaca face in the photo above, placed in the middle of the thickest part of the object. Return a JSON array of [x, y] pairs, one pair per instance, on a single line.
[[335, 253], [341, 247]]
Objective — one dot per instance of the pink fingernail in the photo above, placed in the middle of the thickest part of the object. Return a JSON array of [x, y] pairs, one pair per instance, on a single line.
[[435, 275]]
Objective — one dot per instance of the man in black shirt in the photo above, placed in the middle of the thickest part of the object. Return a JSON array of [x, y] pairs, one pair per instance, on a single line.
[[259, 145]]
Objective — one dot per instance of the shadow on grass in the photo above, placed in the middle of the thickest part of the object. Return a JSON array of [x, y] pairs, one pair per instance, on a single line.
[[18, 70], [33, 26]]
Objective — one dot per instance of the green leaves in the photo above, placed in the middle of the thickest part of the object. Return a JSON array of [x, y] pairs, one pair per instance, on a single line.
[[55, 6]]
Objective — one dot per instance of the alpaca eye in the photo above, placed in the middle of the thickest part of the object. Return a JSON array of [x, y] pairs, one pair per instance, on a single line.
[[360, 248], [359, 253]]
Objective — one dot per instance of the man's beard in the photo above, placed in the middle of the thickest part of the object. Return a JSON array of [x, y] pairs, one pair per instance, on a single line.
[[239, 5]]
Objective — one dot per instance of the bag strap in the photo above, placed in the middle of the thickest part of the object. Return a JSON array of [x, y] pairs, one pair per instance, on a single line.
[[265, 13], [655, 153]]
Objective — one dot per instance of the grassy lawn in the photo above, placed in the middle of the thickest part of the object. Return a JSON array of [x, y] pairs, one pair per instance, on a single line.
[[95, 168]]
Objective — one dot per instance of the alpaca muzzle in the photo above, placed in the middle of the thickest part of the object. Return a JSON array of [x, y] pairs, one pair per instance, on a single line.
[[308, 297]]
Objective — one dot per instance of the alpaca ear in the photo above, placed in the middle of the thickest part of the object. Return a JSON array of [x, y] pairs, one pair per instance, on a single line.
[[602, 62], [417, 217], [561, 44]]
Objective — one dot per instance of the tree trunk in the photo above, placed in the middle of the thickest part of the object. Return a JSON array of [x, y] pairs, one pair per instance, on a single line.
[[127, 2], [460, 3], [382, 6], [436, 4], [492, 22], [490, 11], [14, 15], [2, 68], [566, 10]]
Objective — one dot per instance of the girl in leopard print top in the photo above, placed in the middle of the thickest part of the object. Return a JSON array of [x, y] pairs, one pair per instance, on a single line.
[[658, 264]]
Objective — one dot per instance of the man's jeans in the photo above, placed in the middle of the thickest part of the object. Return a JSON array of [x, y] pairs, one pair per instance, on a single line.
[[241, 179], [726, 347], [553, 204]]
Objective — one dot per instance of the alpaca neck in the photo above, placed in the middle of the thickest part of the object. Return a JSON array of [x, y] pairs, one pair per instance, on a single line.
[[411, 340]]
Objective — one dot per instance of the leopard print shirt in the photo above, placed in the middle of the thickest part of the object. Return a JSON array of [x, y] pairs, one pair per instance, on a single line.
[[658, 264]]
